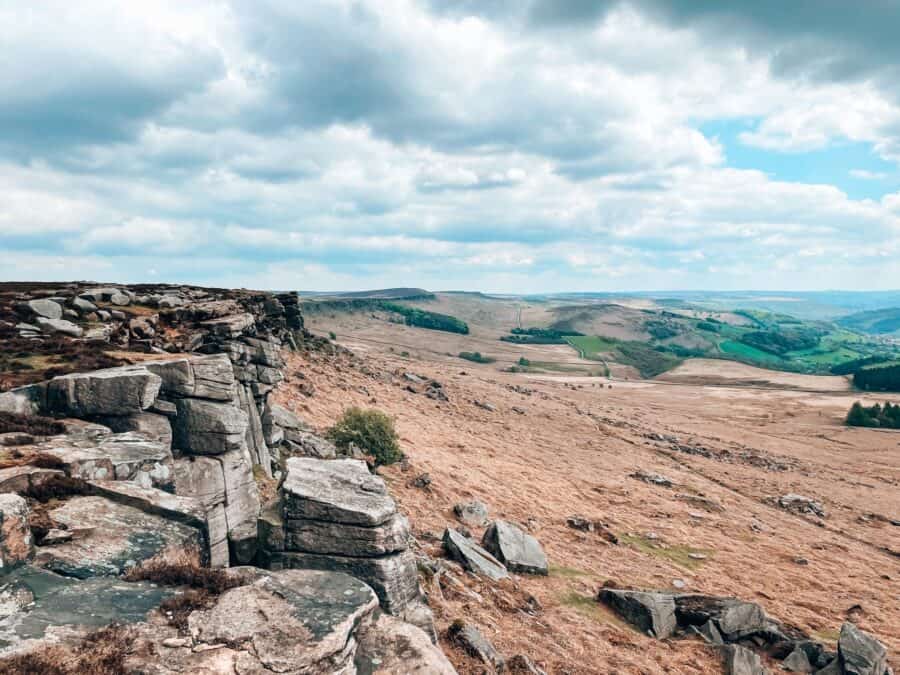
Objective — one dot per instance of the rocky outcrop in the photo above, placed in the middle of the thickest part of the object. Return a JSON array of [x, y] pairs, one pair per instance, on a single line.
[[336, 515], [652, 613]]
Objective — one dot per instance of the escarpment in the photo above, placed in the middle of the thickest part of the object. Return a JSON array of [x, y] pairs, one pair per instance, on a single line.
[[177, 448]]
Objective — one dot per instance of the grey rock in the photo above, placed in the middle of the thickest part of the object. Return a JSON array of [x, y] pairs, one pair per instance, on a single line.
[[653, 613], [208, 377], [59, 326], [389, 645], [230, 326], [256, 443], [392, 577], [241, 505], [298, 621], [742, 661], [108, 538], [797, 662], [29, 400], [118, 315], [860, 653], [16, 542], [710, 633], [313, 536], [151, 425], [799, 504], [472, 556], [280, 416], [308, 444], [45, 308], [473, 514], [207, 427], [652, 478], [519, 551], [115, 391], [475, 644], [170, 302], [119, 299], [735, 619], [336, 491], [104, 315], [83, 306]]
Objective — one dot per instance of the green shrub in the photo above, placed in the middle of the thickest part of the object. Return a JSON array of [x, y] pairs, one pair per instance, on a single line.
[[887, 417], [524, 362], [372, 431], [476, 357], [331, 335]]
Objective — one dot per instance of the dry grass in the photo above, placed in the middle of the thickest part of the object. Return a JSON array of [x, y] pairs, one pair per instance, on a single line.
[[56, 488], [182, 568], [30, 424], [102, 652]]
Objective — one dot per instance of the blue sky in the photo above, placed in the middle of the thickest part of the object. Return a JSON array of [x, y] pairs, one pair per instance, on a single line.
[[499, 145]]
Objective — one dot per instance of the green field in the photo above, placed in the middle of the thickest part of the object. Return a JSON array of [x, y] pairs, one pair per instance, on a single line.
[[743, 352], [592, 346]]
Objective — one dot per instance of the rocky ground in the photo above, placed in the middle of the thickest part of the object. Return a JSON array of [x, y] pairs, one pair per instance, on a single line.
[[687, 488]]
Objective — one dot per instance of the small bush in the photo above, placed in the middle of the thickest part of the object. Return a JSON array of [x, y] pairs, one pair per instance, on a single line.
[[476, 357], [524, 362], [56, 487], [331, 335], [370, 430], [182, 568]]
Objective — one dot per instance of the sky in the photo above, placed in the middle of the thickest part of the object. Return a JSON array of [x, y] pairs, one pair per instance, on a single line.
[[497, 145]]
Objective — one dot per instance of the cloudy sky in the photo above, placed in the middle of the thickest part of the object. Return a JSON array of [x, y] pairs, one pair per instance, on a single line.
[[499, 145]]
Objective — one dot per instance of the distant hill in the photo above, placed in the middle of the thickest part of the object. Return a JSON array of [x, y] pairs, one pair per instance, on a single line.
[[874, 322], [379, 294]]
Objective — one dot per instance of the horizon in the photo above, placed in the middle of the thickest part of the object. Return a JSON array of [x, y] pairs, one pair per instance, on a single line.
[[546, 146]]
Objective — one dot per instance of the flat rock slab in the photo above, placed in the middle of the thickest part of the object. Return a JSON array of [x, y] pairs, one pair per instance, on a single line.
[[314, 536], [34, 601], [115, 391], [472, 556], [652, 613], [516, 549], [295, 620], [108, 538], [335, 491]]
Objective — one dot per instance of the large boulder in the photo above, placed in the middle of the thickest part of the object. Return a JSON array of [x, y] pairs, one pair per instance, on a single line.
[[297, 621], [59, 326], [16, 543], [209, 377], [860, 653], [115, 391], [307, 444], [735, 619], [241, 505], [106, 538], [471, 556], [652, 613], [150, 425], [337, 491], [44, 307], [208, 427], [518, 550], [313, 536]]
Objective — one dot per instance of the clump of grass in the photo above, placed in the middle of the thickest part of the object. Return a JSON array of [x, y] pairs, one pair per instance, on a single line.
[[183, 568], [101, 652], [588, 606], [30, 424], [678, 554]]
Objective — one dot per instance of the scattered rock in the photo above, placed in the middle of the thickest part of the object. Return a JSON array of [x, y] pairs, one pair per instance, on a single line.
[[797, 662], [471, 640], [473, 514], [472, 557], [653, 613], [580, 523], [799, 504], [59, 326], [389, 645], [860, 653], [652, 478], [522, 664], [45, 308], [742, 661], [519, 551]]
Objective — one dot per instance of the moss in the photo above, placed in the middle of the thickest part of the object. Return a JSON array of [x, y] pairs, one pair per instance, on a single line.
[[566, 572], [677, 554], [589, 607]]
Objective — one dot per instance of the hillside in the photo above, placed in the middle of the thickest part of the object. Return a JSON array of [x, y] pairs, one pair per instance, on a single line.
[[875, 322]]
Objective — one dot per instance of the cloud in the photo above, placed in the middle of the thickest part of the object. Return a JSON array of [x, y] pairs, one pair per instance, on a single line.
[[497, 145]]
